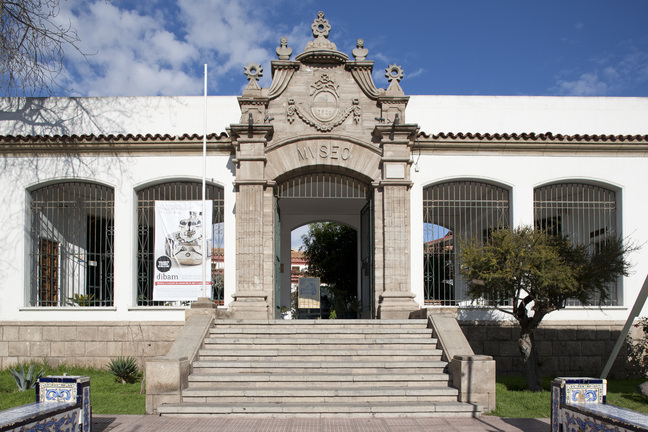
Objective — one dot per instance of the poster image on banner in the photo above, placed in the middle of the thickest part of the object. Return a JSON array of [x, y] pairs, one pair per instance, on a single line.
[[178, 256], [308, 293]]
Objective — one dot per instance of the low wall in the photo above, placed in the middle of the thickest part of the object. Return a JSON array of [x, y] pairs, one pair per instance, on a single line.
[[84, 343], [566, 348]]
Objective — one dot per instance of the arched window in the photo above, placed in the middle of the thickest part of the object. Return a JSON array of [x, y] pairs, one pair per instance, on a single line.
[[584, 213], [176, 191], [454, 210], [72, 232]]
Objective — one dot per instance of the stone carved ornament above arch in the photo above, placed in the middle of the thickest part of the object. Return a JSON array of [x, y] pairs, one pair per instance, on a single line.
[[325, 152]]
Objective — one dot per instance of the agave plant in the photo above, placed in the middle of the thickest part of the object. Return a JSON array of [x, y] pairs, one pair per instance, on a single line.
[[26, 381], [124, 369]]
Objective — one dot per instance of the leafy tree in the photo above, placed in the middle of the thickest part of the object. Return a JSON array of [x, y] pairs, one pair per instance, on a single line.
[[529, 273], [32, 46], [331, 252]]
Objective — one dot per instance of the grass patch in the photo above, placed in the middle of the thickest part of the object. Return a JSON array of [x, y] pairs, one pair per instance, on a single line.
[[106, 395], [514, 400]]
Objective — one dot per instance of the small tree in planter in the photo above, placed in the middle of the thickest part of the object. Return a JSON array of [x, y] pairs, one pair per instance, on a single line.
[[528, 274]]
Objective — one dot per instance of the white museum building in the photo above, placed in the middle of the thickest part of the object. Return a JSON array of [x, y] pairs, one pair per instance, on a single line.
[[83, 183]]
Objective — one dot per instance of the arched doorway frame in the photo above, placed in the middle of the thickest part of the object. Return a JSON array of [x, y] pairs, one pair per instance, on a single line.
[[304, 203]]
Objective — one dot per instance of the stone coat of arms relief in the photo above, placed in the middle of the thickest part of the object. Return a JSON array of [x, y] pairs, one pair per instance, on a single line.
[[323, 111]]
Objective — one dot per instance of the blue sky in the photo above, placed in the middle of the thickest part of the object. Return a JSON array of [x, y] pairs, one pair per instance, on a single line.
[[478, 47]]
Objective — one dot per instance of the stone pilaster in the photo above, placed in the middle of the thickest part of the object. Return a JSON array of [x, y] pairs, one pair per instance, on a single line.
[[396, 300], [254, 222]]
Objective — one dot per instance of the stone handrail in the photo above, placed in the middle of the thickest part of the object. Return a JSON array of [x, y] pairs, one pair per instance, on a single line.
[[473, 375], [167, 376]]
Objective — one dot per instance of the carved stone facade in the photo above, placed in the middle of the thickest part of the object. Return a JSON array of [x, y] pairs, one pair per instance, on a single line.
[[322, 114]]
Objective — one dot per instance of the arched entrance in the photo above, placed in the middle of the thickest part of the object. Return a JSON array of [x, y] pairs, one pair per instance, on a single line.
[[324, 196]]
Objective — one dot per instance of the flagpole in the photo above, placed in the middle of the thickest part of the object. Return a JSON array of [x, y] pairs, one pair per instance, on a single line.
[[206, 254]]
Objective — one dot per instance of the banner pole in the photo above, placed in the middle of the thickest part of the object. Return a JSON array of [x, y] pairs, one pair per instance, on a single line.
[[206, 254]]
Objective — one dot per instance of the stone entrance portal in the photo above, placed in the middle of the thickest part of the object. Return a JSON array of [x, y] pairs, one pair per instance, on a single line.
[[322, 116], [323, 197]]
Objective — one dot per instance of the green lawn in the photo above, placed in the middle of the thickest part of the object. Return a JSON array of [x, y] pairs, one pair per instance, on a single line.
[[513, 400], [106, 395], [111, 397]]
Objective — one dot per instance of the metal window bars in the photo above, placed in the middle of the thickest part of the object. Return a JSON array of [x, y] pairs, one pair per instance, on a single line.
[[72, 233], [322, 185], [451, 211], [584, 213], [176, 191]]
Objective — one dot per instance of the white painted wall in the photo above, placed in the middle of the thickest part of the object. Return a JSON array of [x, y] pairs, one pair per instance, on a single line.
[[126, 175], [521, 174], [517, 114], [183, 115]]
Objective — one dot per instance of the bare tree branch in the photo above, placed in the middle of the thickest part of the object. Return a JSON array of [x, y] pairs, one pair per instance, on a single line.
[[32, 47]]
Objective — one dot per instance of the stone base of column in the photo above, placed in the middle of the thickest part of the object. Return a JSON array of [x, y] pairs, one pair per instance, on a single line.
[[396, 305], [250, 305]]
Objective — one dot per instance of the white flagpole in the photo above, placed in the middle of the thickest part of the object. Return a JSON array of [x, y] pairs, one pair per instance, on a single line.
[[206, 254]]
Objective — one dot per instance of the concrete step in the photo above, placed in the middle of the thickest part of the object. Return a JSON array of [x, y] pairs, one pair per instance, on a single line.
[[355, 324], [219, 329], [317, 355], [353, 368], [317, 380], [295, 394], [308, 342], [297, 366], [346, 410]]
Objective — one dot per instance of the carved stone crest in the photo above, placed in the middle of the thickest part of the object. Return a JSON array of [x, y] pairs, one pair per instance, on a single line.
[[324, 112], [325, 99]]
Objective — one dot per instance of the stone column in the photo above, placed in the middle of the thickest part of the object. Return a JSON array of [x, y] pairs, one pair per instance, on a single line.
[[254, 224], [396, 300]]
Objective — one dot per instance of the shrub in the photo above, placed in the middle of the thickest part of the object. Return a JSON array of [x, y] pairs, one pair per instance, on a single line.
[[124, 369], [638, 348], [26, 381]]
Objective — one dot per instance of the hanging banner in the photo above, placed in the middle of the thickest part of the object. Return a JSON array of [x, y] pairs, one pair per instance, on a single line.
[[178, 254]]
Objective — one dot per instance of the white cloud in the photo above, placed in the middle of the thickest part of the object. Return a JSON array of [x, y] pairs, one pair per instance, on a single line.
[[612, 74], [588, 84], [158, 47], [130, 54]]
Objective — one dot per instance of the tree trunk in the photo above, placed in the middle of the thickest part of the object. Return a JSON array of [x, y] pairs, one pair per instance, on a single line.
[[529, 353]]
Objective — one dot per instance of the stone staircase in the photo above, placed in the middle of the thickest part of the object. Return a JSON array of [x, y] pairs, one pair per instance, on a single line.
[[321, 368]]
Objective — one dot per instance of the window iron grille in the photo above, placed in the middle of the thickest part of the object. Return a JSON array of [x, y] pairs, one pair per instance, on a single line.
[[323, 185], [176, 191], [72, 233], [583, 213], [452, 211]]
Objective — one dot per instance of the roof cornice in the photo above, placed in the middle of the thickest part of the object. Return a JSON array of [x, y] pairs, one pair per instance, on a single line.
[[113, 144], [532, 143]]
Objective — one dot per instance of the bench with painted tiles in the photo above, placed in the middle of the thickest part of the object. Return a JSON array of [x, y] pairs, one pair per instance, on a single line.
[[62, 405], [579, 405]]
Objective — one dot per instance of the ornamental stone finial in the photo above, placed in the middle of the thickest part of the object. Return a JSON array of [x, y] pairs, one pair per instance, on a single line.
[[360, 52], [283, 51], [253, 72], [321, 26], [394, 72]]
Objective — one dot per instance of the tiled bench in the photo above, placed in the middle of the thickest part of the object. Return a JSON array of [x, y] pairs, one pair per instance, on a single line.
[[579, 404], [62, 405]]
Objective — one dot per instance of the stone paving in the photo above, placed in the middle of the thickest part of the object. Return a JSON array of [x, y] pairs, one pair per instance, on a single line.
[[150, 423]]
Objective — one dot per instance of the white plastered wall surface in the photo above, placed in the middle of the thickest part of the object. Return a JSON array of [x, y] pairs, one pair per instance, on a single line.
[[176, 116], [125, 173], [521, 173]]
